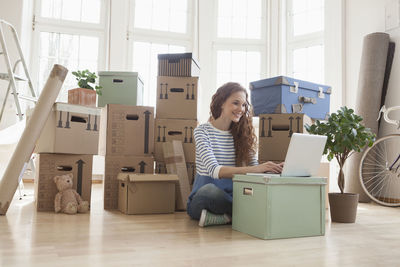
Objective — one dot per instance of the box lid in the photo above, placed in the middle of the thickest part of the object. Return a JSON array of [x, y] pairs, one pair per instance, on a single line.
[[143, 177], [59, 106], [270, 180], [284, 80], [177, 57], [118, 73]]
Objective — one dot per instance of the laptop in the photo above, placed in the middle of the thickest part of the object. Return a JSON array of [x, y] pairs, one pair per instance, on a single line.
[[303, 157]]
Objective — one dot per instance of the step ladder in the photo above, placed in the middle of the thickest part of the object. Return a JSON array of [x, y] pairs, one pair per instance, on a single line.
[[12, 79], [10, 76]]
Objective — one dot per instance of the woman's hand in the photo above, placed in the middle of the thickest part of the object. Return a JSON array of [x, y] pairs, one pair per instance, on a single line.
[[269, 166]]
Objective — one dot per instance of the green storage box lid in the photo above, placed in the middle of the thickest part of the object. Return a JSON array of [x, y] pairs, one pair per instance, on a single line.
[[269, 180], [118, 73]]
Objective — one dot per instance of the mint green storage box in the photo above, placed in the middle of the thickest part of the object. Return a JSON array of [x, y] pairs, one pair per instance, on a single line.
[[278, 207], [122, 87]]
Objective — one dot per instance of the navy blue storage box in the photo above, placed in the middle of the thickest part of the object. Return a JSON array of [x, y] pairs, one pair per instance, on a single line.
[[287, 95]]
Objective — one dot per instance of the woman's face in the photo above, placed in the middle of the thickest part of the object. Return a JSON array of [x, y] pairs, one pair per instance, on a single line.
[[234, 107]]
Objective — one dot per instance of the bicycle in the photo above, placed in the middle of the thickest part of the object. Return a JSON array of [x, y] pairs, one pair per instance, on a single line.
[[379, 169]]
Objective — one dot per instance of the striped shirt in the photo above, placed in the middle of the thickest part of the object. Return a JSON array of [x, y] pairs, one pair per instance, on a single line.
[[214, 149]]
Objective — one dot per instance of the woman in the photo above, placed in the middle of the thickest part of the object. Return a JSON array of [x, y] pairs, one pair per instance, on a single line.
[[226, 145]]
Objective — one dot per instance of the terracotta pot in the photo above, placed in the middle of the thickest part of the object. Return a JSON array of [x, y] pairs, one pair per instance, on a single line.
[[82, 96], [343, 207]]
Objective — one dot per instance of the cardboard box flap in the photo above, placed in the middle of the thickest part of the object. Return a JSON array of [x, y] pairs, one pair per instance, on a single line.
[[76, 108], [134, 177]]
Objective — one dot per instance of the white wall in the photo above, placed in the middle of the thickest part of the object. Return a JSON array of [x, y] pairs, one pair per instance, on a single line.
[[364, 17]]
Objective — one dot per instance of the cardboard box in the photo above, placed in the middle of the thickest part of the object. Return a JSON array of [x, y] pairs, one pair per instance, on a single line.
[[50, 165], [175, 162], [278, 207], [275, 132], [146, 193], [70, 129], [126, 130], [117, 164], [120, 87], [177, 97], [167, 130], [181, 64], [190, 167]]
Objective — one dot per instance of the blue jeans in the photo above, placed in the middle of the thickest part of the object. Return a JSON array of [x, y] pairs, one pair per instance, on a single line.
[[216, 198]]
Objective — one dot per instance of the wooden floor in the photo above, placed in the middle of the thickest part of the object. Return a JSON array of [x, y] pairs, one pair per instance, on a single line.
[[104, 238]]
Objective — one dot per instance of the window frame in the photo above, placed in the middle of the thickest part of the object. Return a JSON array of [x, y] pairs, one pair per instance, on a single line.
[[44, 24], [241, 44], [300, 41], [157, 36]]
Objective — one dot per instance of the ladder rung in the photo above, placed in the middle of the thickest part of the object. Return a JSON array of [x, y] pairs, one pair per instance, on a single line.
[[28, 98], [4, 76]]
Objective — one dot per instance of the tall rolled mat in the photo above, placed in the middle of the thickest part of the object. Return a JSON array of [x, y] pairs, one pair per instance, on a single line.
[[369, 92], [26, 144]]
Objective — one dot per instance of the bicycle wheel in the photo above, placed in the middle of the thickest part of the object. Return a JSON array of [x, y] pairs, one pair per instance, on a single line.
[[379, 171]]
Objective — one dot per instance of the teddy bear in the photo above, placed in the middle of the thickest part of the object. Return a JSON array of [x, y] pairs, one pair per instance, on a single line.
[[67, 199]]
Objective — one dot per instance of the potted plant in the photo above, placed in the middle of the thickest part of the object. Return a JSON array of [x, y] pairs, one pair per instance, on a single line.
[[346, 135], [86, 93]]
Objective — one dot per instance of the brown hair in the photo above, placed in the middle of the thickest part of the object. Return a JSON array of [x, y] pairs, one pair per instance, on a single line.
[[243, 131]]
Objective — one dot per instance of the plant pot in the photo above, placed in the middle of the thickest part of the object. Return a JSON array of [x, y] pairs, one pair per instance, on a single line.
[[82, 96], [343, 207]]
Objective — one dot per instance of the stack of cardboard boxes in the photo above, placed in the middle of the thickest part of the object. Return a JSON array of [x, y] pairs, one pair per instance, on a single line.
[[66, 145], [126, 133], [284, 106], [176, 107], [126, 142]]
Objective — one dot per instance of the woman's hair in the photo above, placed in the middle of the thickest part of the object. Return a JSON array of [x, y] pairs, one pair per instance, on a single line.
[[243, 131]]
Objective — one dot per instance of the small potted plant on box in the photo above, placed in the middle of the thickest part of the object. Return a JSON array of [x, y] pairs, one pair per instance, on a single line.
[[86, 93], [346, 135]]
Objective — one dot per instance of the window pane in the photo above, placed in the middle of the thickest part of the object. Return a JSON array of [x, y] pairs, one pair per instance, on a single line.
[[71, 10], [75, 10], [308, 16], [91, 11], [145, 62], [299, 6], [72, 51], [308, 63], [161, 15], [238, 66], [51, 8], [239, 19]]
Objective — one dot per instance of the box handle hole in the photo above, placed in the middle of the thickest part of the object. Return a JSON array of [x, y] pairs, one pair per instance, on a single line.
[[177, 90], [174, 133], [247, 191], [132, 117], [128, 169], [78, 119], [64, 168]]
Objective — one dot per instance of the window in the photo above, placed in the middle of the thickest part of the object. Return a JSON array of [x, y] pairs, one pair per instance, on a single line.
[[305, 40], [70, 33], [240, 42], [160, 26]]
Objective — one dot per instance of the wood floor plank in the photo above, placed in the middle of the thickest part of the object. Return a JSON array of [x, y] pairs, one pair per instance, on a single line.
[[110, 238]]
